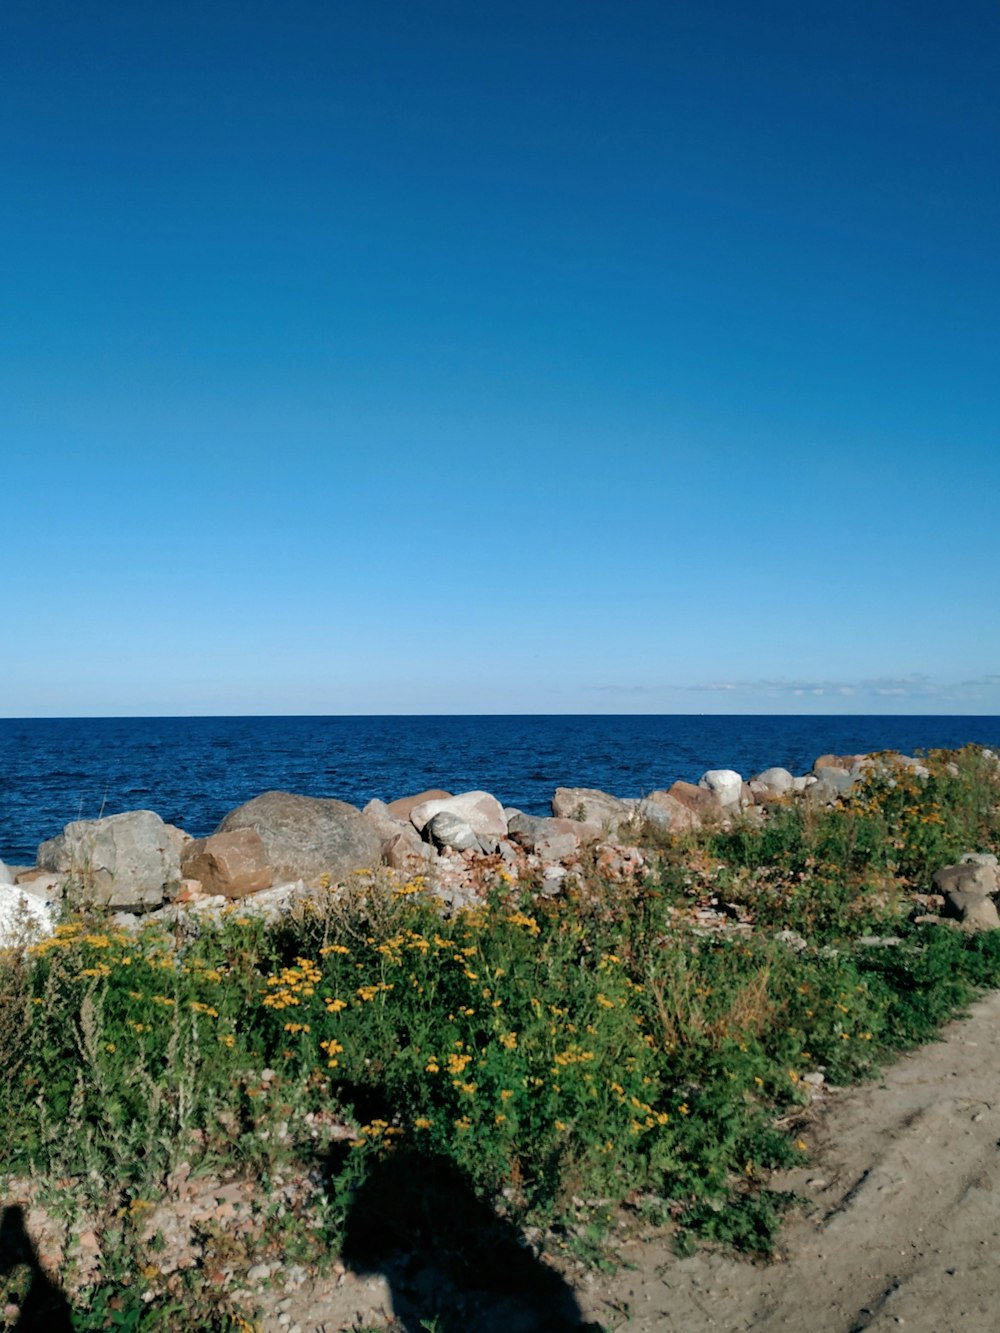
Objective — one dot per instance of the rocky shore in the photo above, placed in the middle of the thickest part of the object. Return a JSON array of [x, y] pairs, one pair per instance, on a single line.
[[280, 849], [661, 995]]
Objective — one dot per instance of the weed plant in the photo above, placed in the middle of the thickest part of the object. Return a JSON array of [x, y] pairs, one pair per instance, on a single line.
[[569, 1055]]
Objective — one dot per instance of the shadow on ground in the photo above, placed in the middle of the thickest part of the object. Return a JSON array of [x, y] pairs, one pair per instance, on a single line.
[[41, 1307], [448, 1257]]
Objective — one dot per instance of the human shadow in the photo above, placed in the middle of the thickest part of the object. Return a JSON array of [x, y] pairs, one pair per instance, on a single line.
[[447, 1256], [42, 1308]]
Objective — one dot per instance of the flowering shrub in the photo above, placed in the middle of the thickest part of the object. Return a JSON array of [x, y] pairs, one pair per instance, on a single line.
[[603, 1045]]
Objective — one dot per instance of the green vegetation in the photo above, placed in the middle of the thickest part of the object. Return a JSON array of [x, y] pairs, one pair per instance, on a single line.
[[572, 1056]]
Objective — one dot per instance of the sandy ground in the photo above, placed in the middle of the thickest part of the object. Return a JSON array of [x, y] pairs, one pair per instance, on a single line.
[[900, 1229]]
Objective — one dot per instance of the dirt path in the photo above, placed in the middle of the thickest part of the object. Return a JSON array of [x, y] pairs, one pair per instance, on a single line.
[[901, 1228], [903, 1222]]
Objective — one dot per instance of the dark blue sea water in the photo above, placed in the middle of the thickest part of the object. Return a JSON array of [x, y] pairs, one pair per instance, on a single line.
[[193, 770]]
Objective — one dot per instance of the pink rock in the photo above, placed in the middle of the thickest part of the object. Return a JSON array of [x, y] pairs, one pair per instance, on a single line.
[[401, 809], [701, 802], [233, 864]]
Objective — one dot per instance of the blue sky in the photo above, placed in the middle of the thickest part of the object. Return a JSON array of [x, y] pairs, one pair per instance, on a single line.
[[437, 357]]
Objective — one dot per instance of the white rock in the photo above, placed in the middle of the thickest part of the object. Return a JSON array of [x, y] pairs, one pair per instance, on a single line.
[[725, 784], [482, 812], [6, 875], [23, 918]]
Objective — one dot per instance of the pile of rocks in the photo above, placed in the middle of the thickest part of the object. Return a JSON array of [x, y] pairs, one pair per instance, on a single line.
[[969, 891], [280, 847]]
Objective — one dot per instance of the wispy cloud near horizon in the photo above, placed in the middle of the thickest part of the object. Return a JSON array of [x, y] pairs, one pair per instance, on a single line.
[[915, 686]]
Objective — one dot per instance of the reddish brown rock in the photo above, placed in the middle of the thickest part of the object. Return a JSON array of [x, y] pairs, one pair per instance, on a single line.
[[699, 801], [233, 864], [189, 890], [677, 816], [837, 761], [762, 795], [401, 809], [407, 851]]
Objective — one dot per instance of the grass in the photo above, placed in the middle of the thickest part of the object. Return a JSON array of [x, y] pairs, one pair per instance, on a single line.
[[569, 1057]]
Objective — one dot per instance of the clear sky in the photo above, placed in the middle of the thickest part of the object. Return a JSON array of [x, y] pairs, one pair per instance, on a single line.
[[526, 357]]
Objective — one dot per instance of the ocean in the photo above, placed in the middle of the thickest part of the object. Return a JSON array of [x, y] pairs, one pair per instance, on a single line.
[[193, 770]]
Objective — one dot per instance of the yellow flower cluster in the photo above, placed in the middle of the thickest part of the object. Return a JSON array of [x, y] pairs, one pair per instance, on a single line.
[[291, 985], [375, 1131], [528, 923], [333, 1048], [415, 885], [367, 993], [572, 1055]]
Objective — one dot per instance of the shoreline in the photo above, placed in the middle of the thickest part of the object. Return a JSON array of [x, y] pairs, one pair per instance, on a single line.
[[616, 1023], [193, 771]]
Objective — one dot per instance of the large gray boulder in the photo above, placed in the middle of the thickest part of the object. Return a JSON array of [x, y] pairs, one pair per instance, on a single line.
[[778, 780], [129, 861], [591, 806], [308, 836]]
